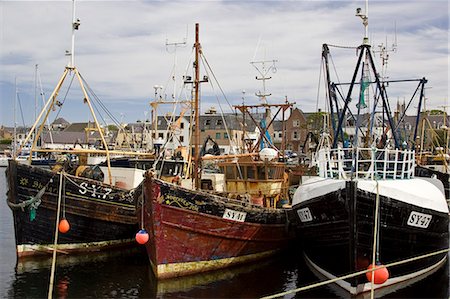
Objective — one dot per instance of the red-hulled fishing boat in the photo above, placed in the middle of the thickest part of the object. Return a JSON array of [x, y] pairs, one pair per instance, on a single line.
[[219, 219]]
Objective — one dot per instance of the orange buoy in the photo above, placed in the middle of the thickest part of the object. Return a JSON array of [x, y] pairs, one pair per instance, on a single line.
[[64, 226], [142, 236], [380, 275]]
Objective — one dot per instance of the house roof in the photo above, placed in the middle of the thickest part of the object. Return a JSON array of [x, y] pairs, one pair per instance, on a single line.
[[79, 127], [60, 121], [64, 137]]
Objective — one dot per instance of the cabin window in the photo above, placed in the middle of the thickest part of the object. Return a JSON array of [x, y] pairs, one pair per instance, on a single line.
[[271, 173], [229, 172], [206, 185], [261, 172], [251, 172]]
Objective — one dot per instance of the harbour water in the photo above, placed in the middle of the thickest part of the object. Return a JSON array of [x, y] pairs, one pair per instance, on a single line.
[[126, 274]]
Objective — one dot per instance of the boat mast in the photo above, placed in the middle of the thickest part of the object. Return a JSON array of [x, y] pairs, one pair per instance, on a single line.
[[196, 110], [53, 99], [75, 26], [14, 119]]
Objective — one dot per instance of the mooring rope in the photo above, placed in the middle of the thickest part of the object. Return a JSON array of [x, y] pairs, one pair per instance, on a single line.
[[325, 282], [22, 205], [55, 244], [375, 240]]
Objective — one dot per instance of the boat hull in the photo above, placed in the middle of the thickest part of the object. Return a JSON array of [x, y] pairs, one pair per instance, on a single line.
[[336, 229], [189, 232], [100, 216]]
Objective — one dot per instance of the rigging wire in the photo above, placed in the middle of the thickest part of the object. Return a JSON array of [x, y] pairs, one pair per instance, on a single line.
[[21, 111], [64, 99]]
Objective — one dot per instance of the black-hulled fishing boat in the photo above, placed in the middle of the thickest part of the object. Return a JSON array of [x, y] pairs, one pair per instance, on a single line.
[[100, 215], [95, 204], [366, 206]]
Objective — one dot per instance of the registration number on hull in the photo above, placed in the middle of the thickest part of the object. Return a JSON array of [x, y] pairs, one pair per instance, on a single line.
[[305, 215], [234, 215], [419, 220]]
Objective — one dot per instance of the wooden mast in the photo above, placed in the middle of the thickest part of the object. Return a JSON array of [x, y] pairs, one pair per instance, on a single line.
[[197, 110]]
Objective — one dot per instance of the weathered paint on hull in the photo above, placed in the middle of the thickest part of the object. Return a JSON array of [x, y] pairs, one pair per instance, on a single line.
[[100, 216], [188, 233]]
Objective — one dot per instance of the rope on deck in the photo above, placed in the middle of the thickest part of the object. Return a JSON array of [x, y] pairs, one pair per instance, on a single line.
[[311, 286]]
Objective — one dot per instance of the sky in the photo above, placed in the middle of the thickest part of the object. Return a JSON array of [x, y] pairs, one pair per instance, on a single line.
[[121, 51]]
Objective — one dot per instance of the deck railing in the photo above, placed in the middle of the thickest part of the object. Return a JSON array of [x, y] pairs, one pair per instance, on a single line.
[[366, 163]]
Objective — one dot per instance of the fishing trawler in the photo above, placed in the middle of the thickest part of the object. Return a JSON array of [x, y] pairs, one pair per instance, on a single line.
[[215, 220], [366, 208], [96, 205]]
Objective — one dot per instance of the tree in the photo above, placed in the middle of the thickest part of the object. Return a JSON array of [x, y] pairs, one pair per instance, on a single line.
[[113, 128]]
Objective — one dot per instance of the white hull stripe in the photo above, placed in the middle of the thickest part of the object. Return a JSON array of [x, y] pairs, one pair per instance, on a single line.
[[419, 192]]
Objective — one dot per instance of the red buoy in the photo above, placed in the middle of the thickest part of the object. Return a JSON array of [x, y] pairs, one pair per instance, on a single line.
[[142, 236], [64, 226], [380, 275]]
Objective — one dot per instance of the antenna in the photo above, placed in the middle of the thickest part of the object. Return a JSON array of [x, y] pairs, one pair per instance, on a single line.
[[175, 45], [384, 53], [365, 19], [75, 25], [263, 71]]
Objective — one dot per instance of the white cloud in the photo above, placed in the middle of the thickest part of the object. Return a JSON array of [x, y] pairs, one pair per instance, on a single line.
[[120, 47]]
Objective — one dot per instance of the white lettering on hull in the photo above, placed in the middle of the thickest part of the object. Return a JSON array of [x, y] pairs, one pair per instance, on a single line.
[[234, 215], [419, 220]]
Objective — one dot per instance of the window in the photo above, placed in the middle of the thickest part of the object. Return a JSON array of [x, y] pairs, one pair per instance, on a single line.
[[280, 134], [207, 122], [219, 122], [161, 135], [261, 172], [217, 135], [181, 138], [182, 126], [295, 135], [251, 172], [229, 172], [296, 123], [225, 135]]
